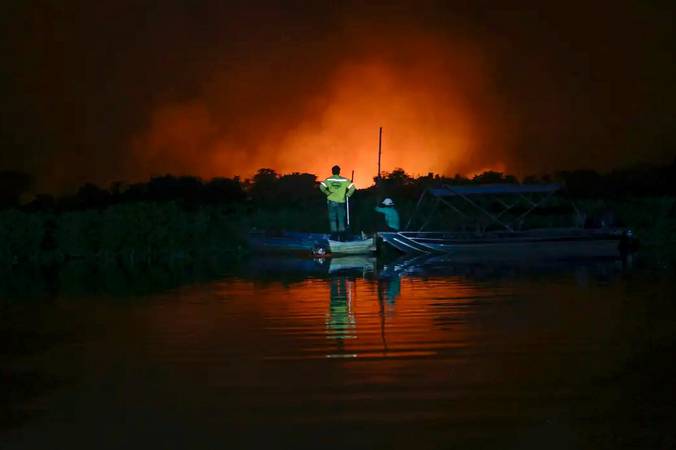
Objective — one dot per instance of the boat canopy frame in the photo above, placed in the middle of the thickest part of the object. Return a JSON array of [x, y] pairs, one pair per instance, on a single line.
[[507, 195]]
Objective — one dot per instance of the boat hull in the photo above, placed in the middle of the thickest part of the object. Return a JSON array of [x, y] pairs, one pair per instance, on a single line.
[[547, 244], [362, 247], [307, 243]]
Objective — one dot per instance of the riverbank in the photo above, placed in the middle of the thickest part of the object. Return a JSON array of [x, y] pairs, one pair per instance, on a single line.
[[129, 233], [173, 232], [178, 220]]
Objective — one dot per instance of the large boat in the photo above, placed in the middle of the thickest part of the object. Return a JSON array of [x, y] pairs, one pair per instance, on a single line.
[[497, 216]]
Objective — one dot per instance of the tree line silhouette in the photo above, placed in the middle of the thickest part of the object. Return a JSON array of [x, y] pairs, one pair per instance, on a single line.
[[183, 217], [269, 189]]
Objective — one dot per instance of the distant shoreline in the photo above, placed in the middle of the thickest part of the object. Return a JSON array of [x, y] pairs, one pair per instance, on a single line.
[[185, 219]]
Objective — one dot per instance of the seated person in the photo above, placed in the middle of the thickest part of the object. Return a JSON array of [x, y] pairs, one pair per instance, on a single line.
[[390, 213]]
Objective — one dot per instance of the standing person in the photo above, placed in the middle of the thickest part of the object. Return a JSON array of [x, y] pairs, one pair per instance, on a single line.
[[337, 189], [390, 213]]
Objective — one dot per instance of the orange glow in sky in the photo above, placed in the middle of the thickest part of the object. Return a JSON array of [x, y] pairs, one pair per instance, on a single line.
[[434, 103], [421, 132]]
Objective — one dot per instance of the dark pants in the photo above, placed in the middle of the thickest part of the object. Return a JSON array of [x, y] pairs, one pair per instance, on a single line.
[[336, 216]]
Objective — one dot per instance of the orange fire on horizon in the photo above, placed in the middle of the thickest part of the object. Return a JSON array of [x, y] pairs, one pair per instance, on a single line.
[[420, 135], [434, 103]]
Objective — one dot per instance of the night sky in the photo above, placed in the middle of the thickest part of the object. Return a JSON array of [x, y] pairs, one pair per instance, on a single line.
[[122, 90]]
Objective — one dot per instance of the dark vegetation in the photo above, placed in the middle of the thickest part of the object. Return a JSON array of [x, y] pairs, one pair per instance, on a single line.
[[172, 218]]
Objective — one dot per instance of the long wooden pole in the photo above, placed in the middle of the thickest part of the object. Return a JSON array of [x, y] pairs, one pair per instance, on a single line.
[[380, 148], [347, 201]]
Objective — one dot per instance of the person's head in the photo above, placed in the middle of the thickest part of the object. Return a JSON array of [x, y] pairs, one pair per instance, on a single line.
[[335, 170], [388, 202]]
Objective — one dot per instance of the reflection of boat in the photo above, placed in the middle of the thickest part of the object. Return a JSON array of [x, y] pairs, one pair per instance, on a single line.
[[279, 266], [497, 214], [351, 263], [447, 264], [297, 242], [289, 267]]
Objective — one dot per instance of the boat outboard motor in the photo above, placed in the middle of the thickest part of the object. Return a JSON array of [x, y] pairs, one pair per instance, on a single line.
[[320, 250]]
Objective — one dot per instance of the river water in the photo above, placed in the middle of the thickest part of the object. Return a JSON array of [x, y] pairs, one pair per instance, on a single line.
[[348, 353]]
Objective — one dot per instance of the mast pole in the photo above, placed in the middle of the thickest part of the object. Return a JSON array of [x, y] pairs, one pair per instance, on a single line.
[[380, 148]]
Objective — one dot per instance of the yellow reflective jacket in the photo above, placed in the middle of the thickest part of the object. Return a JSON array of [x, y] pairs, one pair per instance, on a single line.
[[337, 188]]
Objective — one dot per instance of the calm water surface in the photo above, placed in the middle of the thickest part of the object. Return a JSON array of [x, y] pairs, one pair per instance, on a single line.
[[346, 354]]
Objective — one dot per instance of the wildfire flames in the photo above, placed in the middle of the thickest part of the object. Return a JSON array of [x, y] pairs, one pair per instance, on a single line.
[[433, 100]]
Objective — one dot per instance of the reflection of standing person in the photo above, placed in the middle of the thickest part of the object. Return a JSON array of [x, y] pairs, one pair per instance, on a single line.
[[337, 189], [391, 214], [389, 289], [340, 322]]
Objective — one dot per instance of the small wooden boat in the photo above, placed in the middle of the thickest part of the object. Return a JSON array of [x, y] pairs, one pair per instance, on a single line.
[[359, 247], [308, 243]]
